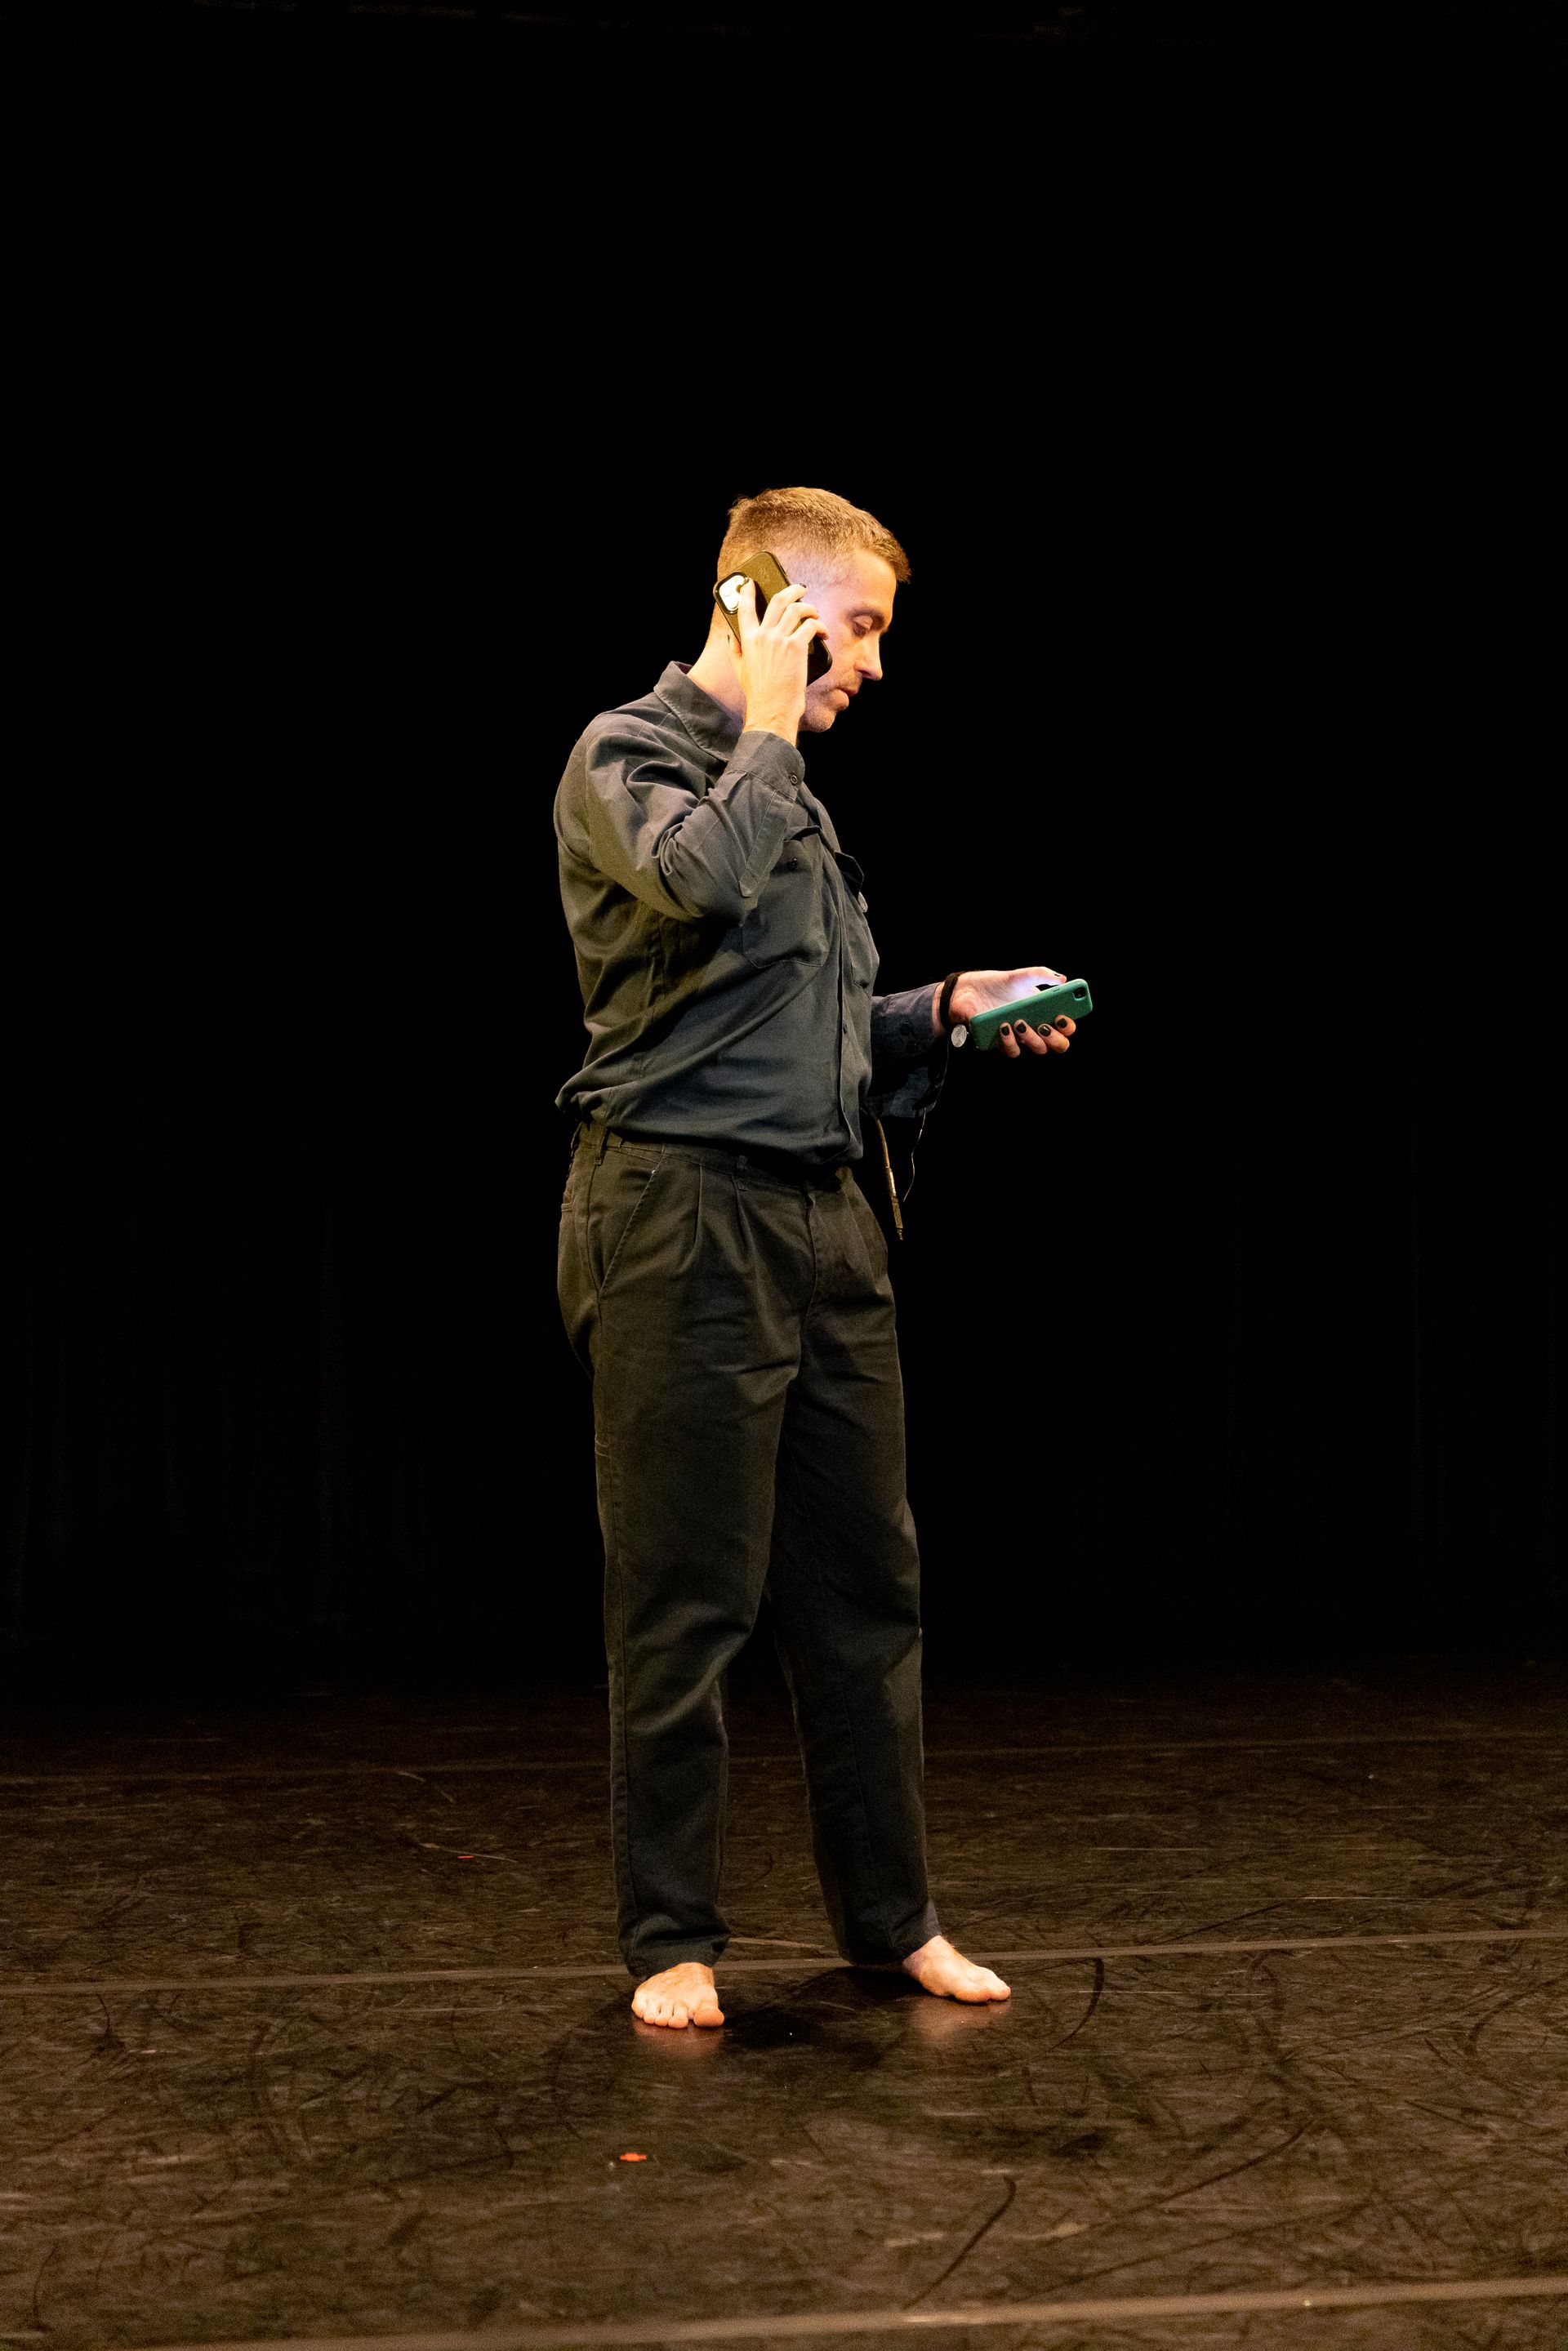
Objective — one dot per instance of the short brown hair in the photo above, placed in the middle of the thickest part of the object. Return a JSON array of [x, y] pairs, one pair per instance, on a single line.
[[805, 522]]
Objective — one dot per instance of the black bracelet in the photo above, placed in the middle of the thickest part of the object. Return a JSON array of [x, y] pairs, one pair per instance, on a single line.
[[944, 1003]]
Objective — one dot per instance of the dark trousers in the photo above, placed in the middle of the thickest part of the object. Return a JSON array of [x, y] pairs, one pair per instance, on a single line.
[[749, 1431]]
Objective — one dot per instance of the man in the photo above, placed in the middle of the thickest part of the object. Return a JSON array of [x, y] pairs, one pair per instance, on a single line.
[[721, 1276]]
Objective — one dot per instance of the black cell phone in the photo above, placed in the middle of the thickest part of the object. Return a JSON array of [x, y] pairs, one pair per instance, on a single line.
[[769, 576]]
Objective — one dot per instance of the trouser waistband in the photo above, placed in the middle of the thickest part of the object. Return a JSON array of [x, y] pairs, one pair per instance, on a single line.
[[783, 1165]]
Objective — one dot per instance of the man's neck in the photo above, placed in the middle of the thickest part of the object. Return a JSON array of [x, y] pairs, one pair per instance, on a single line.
[[715, 672]]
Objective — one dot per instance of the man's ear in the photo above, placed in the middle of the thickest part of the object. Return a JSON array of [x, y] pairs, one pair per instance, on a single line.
[[719, 627]]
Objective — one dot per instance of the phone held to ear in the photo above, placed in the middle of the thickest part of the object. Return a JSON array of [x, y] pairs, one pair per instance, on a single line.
[[1039, 1008], [769, 576]]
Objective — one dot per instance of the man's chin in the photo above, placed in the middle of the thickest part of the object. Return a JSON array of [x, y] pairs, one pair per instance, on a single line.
[[817, 717]]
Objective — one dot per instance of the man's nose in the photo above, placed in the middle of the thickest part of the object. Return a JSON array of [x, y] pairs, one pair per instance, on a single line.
[[868, 661]]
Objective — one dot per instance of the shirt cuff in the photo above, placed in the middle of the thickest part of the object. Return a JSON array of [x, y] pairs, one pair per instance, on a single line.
[[901, 1028], [771, 761], [909, 1062]]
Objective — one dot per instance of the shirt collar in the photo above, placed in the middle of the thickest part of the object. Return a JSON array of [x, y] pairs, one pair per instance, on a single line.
[[707, 722]]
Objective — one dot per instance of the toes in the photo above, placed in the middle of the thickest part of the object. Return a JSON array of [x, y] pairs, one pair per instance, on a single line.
[[989, 1987], [667, 2004], [964, 1983]]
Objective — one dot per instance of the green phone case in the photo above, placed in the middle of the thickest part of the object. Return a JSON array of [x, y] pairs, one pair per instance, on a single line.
[[1039, 1009]]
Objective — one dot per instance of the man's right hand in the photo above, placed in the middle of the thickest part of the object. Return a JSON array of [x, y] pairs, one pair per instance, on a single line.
[[773, 652]]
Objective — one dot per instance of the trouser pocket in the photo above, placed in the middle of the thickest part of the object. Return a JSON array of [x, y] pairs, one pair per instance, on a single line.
[[616, 1194]]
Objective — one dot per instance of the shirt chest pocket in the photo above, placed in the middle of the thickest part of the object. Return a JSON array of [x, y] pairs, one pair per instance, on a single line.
[[789, 923]]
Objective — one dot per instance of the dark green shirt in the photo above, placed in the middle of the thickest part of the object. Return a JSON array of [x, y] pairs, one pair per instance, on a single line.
[[723, 949]]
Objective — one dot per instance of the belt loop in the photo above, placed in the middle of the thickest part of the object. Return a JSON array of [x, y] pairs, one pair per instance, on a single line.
[[599, 1137]]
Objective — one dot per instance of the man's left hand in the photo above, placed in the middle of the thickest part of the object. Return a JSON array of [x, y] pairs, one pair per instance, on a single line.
[[983, 991]]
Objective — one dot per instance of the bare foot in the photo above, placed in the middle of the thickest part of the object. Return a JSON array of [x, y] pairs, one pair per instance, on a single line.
[[683, 1995], [937, 1967]]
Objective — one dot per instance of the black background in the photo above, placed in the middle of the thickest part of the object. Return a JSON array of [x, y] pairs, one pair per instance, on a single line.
[[398, 370]]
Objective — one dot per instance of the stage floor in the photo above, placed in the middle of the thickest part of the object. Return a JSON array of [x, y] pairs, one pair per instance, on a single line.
[[315, 2029]]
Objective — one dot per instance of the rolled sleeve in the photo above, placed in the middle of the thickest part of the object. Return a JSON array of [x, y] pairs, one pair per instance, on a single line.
[[685, 854]]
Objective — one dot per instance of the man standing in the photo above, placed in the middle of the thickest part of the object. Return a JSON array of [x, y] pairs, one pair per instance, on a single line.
[[721, 1276]]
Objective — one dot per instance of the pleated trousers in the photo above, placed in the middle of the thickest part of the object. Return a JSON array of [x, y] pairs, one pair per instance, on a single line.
[[738, 1330]]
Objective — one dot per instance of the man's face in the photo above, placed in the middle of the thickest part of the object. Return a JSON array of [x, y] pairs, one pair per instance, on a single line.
[[856, 606]]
